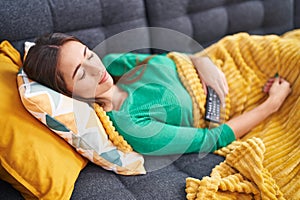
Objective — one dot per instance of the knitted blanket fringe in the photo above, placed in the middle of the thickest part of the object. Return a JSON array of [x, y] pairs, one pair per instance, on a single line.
[[265, 163]]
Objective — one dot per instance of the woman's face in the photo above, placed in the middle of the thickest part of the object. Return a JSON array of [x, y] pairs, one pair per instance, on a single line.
[[83, 72]]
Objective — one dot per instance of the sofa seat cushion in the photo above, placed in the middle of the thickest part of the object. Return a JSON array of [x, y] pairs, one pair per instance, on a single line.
[[165, 179]]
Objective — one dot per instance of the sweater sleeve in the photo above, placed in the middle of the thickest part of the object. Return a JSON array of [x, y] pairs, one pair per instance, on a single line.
[[158, 138], [118, 64]]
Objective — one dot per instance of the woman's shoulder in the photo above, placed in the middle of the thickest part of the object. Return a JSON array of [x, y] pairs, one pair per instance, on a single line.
[[134, 58]]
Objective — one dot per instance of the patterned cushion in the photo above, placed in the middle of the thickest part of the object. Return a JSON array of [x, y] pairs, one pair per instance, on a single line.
[[77, 123]]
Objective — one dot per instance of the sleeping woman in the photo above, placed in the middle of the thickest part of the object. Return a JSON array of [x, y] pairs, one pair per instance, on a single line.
[[144, 96]]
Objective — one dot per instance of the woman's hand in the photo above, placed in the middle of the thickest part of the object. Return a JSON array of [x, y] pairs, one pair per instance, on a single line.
[[211, 75], [278, 89]]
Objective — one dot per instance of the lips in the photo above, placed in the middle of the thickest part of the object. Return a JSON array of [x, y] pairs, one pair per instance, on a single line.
[[104, 77]]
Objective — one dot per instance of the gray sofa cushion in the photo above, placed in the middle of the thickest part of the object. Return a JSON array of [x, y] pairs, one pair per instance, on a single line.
[[297, 14], [208, 20], [90, 21], [166, 179]]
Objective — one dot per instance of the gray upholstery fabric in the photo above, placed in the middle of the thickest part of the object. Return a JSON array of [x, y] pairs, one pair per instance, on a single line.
[[209, 20], [167, 182], [93, 21], [165, 179], [297, 14], [8, 192]]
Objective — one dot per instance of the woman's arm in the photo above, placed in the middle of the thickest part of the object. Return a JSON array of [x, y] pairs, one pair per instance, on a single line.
[[151, 137], [210, 75], [248, 120]]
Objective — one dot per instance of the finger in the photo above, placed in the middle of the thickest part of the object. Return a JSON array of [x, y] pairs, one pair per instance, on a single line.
[[222, 100], [221, 95], [223, 82], [268, 85], [204, 85], [223, 87], [271, 80], [267, 88]]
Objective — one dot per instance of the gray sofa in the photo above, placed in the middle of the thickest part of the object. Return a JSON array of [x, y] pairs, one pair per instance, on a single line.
[[93, 21]]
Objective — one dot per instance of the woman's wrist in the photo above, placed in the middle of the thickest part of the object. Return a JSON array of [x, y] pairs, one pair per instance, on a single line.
[[243, 123], [199, 60], [272, 104]]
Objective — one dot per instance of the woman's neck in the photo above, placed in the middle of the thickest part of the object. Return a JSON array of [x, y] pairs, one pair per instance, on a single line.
[[118, 97]]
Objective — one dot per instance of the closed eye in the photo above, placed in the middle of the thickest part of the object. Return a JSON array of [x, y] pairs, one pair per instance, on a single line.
[[91, 56], [78, 66], [88, 58], [83, 75]]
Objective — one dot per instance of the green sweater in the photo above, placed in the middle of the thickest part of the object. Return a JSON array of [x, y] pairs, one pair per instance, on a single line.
[[156, 118]]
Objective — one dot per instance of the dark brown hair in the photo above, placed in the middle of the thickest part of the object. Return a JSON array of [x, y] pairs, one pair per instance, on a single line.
[[41, 61]]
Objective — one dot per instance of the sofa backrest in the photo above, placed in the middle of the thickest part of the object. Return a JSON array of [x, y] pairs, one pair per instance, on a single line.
[[209, 20], [96, 20], [91, 21]]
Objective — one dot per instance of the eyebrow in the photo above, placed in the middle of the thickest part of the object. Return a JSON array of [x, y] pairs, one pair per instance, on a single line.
[[76, 69]]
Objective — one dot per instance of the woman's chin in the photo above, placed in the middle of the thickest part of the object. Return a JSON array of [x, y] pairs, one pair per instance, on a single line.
[[107, 107], [105, 104]]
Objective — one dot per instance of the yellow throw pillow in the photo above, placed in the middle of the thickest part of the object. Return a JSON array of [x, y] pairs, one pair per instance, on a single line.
[[35, 161]]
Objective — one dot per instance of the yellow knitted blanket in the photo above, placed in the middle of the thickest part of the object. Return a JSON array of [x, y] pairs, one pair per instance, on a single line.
[[265, 163]]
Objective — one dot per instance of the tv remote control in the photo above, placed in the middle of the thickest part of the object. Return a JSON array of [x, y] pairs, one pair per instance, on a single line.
[[213, 106]]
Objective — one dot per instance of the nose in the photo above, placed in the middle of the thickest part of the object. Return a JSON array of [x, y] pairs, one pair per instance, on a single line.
[[95, 71]]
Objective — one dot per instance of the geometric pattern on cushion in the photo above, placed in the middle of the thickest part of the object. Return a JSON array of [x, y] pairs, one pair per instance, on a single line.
[[78, 124]]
